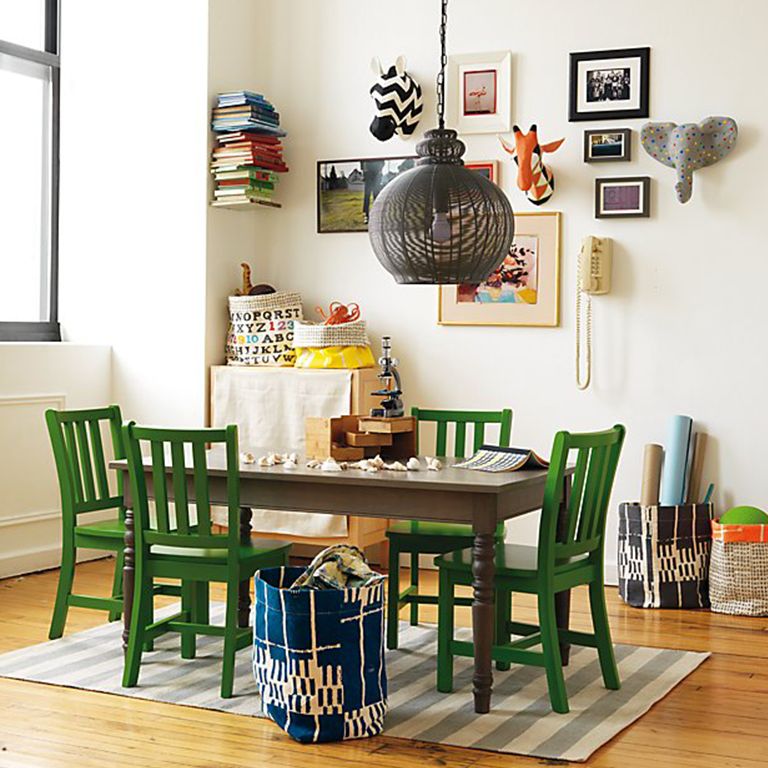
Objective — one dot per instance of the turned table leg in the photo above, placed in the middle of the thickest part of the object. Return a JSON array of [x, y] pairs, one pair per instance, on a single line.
[[244, 592], [128, 573], [483, 570], [563, 599]]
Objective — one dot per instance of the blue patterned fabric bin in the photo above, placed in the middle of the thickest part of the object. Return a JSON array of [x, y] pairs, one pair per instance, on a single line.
[[319, 657]]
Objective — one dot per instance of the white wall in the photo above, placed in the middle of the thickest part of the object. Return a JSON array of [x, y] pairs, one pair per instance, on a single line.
[[33, 378], [133, 197], [682, 330]]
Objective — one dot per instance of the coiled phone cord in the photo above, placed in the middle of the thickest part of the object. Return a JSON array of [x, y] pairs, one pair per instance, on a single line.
[[588, 336]]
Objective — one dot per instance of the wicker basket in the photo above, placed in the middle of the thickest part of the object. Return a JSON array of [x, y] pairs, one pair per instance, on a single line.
[[738, 570], [261, 329], [343, 335]]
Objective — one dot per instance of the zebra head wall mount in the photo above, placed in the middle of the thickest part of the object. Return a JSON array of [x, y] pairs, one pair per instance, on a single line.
[[398, 101]]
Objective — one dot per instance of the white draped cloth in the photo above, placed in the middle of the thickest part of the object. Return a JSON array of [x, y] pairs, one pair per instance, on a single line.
[[269, 406]]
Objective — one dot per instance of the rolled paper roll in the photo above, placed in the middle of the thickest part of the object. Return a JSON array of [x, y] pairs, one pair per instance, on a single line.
[[652, 458], [676, 460], [697, 468]]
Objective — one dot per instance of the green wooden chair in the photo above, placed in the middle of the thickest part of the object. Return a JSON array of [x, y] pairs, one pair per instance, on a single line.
[[555, 565], [416, 537], [182, 549], [81, 467]]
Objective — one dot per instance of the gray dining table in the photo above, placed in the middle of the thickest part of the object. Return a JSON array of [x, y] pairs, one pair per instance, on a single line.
[[480, 499]]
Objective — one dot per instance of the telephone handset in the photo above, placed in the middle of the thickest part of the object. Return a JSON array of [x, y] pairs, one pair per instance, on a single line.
[[593, 278]]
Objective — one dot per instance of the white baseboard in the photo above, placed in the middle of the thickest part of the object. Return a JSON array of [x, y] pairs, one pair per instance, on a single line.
[[40, 559]]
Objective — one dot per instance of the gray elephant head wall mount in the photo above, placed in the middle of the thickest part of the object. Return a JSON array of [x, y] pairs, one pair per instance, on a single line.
[[689, 146]]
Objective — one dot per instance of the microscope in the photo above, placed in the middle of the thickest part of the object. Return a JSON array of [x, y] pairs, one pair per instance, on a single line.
[[391, 389]]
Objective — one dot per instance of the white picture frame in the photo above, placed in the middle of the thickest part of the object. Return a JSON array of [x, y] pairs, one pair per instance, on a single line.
[[479, 92]]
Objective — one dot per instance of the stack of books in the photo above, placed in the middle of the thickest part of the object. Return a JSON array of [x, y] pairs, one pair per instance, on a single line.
[[249, 154]]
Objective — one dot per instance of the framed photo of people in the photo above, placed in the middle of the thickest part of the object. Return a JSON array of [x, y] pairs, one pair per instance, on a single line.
[[346, 190], [609, 85], [523, 290]]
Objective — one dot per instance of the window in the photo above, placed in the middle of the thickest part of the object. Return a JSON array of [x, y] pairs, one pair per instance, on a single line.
[[29, 175]]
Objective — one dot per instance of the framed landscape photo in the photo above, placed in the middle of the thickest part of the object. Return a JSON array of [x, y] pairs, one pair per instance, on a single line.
[[523, 290], [488, 168], [623, 197], [609, 85], [607, 146], [346, 190], [479, 94]]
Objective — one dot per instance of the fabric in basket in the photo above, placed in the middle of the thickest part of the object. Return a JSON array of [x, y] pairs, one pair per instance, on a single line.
[[664, 555], [261, 329], [319, 657], [738, 569]]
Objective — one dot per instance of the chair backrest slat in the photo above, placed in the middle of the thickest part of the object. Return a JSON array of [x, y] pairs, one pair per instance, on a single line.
[[202, 498], [86, 465], [99, 462], [81, 465], [176, 477], [159, 486], [459, 419], [180, 502], [584, 530]]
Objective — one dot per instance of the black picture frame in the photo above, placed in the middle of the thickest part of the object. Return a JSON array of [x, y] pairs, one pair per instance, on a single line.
[[626, 146], [352, 225], [575, 115], [644, 182]]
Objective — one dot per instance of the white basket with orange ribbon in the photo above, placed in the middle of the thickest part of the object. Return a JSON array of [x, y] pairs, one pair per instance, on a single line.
[[738, 569]]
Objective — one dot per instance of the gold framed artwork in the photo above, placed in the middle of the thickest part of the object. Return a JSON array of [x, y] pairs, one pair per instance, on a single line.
[[524, 290]]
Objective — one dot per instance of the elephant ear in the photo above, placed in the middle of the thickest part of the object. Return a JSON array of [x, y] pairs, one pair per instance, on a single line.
[[655, 140], [719, 135]]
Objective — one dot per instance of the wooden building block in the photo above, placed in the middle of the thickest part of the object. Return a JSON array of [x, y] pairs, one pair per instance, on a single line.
[[380, 425], [368, 439]]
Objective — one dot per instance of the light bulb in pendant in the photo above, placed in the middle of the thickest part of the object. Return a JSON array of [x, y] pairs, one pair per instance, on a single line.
[[441, 227]]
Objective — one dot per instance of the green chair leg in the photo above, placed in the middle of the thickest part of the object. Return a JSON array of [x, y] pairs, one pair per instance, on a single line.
[[393, 596], [188, 608], [201, 610], [63, 591], [415, 585], [142, 594], [603, 636], [503, 617], [230, 640], [445, 633], [552, 658], [117, 582]]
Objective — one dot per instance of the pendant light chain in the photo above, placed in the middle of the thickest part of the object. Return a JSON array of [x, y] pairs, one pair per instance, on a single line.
[[443, 63]]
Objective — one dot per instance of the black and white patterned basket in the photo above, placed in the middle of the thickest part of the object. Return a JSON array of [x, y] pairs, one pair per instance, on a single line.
[[342, 335], [664, 555]]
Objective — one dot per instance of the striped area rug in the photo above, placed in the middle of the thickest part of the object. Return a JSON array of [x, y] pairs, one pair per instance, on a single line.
[[520, 720]]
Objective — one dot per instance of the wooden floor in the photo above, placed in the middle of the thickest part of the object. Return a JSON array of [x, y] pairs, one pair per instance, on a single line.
[[717, 717]]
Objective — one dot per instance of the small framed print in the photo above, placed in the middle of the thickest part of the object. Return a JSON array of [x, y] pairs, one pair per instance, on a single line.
[[623, 197], [525, 288], [488, 168], [607, 146], [479, 94], [609, 85]]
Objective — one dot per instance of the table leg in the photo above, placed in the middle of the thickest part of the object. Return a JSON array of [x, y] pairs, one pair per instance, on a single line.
[[483, 570], [563, 599], [244, 593], [128, 574]]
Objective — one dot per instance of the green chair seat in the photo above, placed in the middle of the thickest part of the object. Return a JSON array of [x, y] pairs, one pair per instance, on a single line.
[[425, 528], [246, 552], [416, 537], [569, 554], [512, 560], [107, 528]]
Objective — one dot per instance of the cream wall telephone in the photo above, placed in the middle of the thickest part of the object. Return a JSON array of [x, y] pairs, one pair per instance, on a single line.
[[593, 278]]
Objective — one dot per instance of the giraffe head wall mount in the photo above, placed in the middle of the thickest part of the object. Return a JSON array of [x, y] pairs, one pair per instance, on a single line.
[[533, 176], [689, 146]]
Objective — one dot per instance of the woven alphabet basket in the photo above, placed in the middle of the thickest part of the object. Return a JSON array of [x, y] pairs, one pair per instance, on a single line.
[[261, 329], [664, 555], [738, 570]]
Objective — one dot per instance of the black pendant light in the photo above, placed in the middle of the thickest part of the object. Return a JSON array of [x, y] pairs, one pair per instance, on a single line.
[[440, 223]]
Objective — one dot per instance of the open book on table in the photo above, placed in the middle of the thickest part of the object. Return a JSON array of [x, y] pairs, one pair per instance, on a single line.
[[493, 458]]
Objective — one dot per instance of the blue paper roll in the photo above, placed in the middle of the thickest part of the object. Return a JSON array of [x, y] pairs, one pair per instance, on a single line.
[[676, 460]]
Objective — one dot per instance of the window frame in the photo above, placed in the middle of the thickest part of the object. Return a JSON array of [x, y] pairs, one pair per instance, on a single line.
[[44, 330]]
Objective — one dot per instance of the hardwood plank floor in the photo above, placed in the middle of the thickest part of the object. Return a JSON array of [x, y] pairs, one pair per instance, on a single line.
[[717, 717]]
